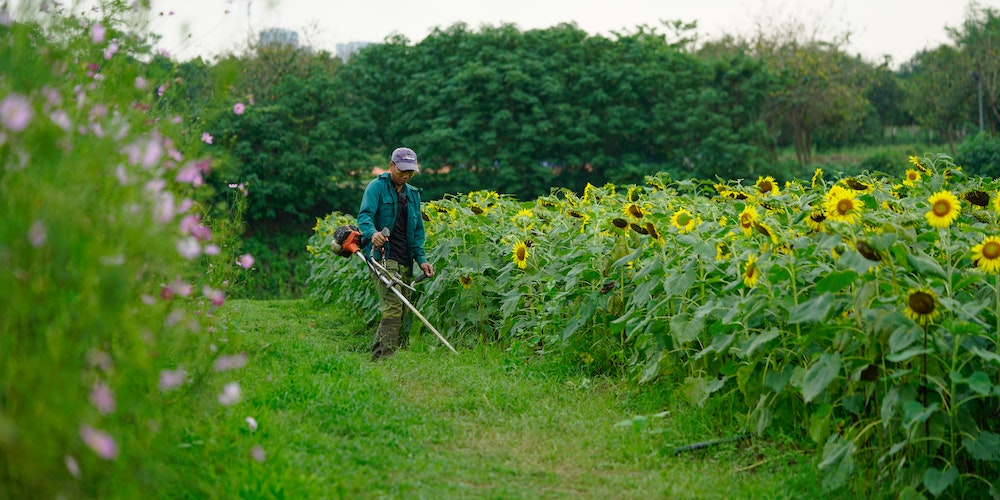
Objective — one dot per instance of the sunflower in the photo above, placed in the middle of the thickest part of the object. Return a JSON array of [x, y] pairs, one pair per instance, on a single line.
[[912, 177], [519, 254], [986, 255], [651, 230], [944, 209], [766, 230], [867, 251], [747, 217], [978, 198], [751, 271], [634, 211], [922, 305], [857, 185], [683, 221], [465, 280], [815, 220], [817, 178], [916, 163], [841, 205], [721, 250], [766, 185], [996, 202], [619, 223]]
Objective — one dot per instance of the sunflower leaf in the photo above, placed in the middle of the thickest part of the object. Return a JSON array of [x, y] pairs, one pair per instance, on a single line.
[[924, 264]]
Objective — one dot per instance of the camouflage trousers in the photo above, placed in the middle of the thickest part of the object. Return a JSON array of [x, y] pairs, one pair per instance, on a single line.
[[387, 337]]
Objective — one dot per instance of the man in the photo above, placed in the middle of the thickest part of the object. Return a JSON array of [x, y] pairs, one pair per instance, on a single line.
[[390, 202]]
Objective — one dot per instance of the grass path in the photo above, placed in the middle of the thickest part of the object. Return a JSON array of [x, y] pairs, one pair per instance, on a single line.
[[484, 424]]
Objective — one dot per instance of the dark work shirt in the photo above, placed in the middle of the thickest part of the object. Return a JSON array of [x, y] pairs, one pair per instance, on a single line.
[[399, 250]]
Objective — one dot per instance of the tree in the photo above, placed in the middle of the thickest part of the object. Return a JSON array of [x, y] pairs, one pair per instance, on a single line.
[[938, 90], [978, 41]]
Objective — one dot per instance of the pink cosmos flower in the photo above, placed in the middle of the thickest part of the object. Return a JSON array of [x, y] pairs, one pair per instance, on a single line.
[[141, 83], [180, 287], [239, 108], [212, 249], [37, 234], [61, 119], [101, 442], [251, 423], [72, 466], [15, 112], [170, 379], [257, 452], [206, 138], [189, 248], [102, 398], [226, 363], [160, 90], [97, 32], [218, 298], [190, 174], [246, 261], [230, 394], [110, 51]]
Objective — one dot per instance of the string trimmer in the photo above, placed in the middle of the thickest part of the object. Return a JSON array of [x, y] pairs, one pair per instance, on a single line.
[[347, 241]]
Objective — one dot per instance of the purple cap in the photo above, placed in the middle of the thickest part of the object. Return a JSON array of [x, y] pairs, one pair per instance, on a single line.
[[405, 159]]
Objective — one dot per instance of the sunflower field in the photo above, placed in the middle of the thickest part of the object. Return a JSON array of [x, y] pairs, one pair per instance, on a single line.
[[861, 311]]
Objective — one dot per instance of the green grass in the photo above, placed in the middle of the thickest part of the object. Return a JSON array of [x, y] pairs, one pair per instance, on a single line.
[[483, 424]]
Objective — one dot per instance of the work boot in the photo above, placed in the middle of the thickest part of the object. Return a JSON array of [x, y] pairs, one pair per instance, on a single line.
[[386, 338]]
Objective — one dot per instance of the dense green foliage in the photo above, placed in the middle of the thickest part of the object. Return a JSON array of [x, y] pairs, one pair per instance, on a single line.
[[859, 311]]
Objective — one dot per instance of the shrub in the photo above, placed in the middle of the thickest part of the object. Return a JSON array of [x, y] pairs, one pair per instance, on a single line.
[[980, 155]]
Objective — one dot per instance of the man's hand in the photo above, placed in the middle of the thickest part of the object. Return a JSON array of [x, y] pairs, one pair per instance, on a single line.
[[379, 239], [428, 269]]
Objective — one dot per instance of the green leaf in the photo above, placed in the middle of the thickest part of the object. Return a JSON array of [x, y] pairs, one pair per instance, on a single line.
[[819, 424], [853, 260], [819, 375], [986, 355], [907, 354], [985, 446], [836, 281], [937, 481], [758, 340], [916, 413], [699, 389], [925, 264], [838, 462], [815, 309], [678, 283], [979, 382], [904, 336], [686, 329], [628, 258], [777, 380]]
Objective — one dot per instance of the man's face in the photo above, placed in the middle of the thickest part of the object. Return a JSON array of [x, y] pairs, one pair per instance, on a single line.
[[400, 177]]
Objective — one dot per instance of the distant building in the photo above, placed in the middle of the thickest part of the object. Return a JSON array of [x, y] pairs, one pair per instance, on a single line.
[[279, 36], [346, 50]]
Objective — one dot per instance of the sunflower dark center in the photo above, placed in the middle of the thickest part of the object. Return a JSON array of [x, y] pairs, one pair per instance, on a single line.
[[922, 303], [521, 253]]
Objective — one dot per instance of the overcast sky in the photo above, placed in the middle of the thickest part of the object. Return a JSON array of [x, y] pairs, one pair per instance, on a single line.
[[899, 28]]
